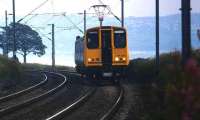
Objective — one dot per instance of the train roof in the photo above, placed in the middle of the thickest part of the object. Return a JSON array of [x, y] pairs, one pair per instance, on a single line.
[[105, 27]]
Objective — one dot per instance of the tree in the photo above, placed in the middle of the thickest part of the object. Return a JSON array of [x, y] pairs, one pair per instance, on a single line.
[[1, 40], [3, 43], [198, 33], [27, 40]]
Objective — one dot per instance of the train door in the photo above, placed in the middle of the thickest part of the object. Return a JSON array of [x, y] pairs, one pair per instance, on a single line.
[[106, 37]]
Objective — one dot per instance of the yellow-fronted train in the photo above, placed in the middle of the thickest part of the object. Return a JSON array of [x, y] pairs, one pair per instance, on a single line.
[[102, 52]]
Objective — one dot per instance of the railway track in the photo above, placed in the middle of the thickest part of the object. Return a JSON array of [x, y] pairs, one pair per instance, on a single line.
[[28, 96], [16, 94], [78, 104], [110, 113], [50, 105], [62, 103], [73, 106], [69, 72]]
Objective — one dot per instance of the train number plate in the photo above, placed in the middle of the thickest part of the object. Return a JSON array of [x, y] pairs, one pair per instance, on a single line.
[[107, 74]]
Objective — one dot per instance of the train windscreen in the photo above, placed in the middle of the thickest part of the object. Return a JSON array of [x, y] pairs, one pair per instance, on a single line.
[[92, 40], [120, 38]]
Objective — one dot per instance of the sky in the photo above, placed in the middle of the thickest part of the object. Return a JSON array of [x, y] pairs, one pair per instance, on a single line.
[[136, 8]]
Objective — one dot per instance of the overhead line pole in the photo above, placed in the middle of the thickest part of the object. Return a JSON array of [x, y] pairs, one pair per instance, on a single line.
[[6, 35], [186, 30], [14, 31], [122, 13], [6, 18], [157, 38], [53, 46], [85, 21]]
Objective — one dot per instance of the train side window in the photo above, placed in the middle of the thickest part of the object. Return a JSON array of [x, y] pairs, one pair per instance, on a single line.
[[120, 39], [92, 40]]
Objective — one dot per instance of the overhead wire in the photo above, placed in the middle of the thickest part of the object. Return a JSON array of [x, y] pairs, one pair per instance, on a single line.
[[48, 20], [71, 27], [52, 6], [30, 19], [48, 13], [109, 9], [39, 6], [40, 14], [53, 16], [42, 34], [73, 23], [74, 26]]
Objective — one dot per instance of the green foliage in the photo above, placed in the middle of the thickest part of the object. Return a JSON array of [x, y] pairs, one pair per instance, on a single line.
[[181, 86], [196, 54], [9, 69], [27, 40], [1, 39], [177, 88], [141, 69]]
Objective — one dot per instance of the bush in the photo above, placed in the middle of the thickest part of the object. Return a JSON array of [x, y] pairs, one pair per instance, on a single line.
[[10, 71], [181, 87], [177, 88], [142, 70]]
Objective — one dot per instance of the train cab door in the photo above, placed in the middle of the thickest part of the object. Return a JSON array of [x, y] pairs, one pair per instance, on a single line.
[[106, 37]]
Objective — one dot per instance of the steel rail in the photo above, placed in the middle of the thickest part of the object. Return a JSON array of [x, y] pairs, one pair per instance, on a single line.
[[35, 99], [5, 98], [71, 107], [115, 107], [83, 99], [70, 72]]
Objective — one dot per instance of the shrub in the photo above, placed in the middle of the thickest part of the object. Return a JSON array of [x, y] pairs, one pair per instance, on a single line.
[[142, 70], [177, 87], [181, 88], [10, 71]]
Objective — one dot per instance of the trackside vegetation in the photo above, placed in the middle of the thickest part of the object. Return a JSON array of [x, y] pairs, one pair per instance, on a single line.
[[173, 94], [15, 76], [10, 71]]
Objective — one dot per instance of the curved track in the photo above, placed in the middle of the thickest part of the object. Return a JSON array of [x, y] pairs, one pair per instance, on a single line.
[[115, 106], [74, 107], [22, 92], [10, 108], [50, 105]]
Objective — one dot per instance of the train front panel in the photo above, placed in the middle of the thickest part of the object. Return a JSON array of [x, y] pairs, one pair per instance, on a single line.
[[106, 50]]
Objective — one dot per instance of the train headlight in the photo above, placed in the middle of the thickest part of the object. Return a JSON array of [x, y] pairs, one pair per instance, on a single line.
[[116, 58], [89, 59], [123, 58]]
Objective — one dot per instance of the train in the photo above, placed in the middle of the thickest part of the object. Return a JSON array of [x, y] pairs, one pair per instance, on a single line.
[[102, 52]]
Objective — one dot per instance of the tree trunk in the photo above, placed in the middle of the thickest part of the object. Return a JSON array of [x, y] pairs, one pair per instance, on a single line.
[[25, 54], [4, 50]]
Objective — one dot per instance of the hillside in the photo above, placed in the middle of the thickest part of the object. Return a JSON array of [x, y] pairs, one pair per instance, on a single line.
[[10, 76], [9, 69], [141, 34]]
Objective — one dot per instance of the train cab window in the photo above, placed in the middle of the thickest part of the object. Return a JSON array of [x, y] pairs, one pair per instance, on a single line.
[[92, 40], [120, 38]]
